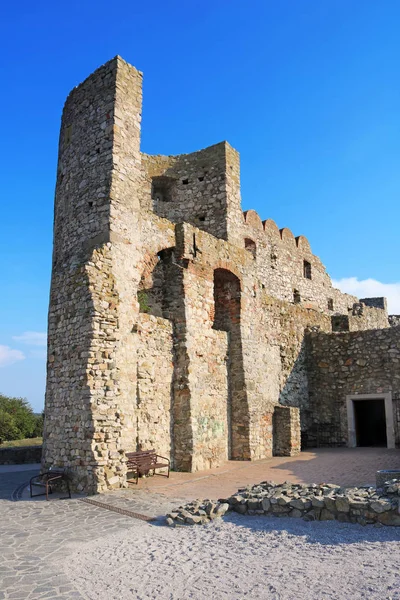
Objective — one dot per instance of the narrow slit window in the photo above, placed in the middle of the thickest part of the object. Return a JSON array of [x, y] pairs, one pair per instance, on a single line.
[[330, 304], [250, 246], [296, 297], [307, 269]]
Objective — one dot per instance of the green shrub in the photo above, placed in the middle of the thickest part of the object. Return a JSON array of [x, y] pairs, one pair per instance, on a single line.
[[8, 428], [17, 419], [143, 300]]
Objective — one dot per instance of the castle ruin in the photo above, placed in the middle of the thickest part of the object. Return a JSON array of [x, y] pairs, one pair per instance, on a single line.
[[180, 323]]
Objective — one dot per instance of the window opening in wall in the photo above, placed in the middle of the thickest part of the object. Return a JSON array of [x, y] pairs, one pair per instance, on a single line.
[[202, 218], [153, 285], [162, 189], [185, 181], [250, 246], [226, 300], [274, 257], [340, 323], [330, 304], [90, 204], [159, 196], [307, 269], [296, 297], [201, 178]]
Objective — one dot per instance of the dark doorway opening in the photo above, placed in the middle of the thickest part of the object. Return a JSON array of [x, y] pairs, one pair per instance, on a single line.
[[370, 419]]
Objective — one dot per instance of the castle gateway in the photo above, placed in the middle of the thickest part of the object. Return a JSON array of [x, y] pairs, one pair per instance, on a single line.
[[180, 323]]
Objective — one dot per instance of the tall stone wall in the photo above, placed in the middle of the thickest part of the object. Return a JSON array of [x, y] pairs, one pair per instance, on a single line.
[[91, 376], [154, 384], [176, 321], [363, 362]]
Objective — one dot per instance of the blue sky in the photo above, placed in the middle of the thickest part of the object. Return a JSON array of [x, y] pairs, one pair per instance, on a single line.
[[307, 91]]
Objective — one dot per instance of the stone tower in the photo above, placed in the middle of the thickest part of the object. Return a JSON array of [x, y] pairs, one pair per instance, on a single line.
[[94, 279]]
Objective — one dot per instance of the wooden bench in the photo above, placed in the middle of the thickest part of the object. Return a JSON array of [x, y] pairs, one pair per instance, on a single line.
[[144, 461]]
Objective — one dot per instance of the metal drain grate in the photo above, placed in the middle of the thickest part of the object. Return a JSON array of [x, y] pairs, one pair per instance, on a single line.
[[120, 511]]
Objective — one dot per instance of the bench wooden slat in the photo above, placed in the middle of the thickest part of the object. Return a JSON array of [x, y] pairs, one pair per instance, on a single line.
[[143, 461]]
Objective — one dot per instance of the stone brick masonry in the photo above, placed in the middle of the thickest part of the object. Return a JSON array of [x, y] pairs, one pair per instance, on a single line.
[[176, 321]]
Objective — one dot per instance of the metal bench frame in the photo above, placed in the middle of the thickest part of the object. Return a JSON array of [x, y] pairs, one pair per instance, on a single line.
[[46, 480]]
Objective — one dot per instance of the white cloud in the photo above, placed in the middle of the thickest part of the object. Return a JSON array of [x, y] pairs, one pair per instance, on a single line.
[[32, 338], [370, 288], [8, 356]]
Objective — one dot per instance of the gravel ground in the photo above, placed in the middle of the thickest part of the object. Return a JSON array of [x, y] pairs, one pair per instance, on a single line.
[[240, 557]]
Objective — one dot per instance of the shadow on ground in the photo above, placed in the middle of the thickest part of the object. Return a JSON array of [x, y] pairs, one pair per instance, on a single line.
[[13, 478], [316, 532]]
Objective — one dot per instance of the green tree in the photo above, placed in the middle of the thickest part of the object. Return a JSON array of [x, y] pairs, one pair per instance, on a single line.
[[8, 429], [17, 419], [38, 431]]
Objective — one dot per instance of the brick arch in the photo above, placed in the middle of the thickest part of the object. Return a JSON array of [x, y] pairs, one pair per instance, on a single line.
[[228, 266], [151, 287], [147, 266]]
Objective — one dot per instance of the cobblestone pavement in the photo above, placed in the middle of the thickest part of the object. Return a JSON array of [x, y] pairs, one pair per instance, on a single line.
[[36, 536], [12, 476]]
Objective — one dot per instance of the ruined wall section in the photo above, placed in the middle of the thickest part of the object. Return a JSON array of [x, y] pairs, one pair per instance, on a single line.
[[288, 270], [208, 378], [254, 383], [83, 295], [280, 259], [189, 188], [394, 320], [363, 317], [93, 295], [364, 362], [154, 384], [201, 188], [290, 323]]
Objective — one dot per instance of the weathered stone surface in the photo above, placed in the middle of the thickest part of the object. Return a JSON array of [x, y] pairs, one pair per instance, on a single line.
[[327, 515], [301, 503], [380, 506], [19, 456], [193, 520], [342, 504], [169, 304]]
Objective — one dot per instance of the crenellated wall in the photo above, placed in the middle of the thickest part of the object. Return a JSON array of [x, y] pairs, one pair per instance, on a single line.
[[176, 321]]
